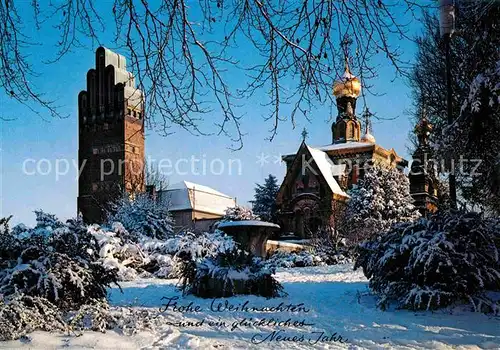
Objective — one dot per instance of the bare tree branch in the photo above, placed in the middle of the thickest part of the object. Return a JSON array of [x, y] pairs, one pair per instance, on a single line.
[[182, 53]]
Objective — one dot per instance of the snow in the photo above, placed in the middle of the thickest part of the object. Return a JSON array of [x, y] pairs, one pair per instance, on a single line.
[[248, 223], [346, 145], [285, 244], [326, 166], [337, 300]]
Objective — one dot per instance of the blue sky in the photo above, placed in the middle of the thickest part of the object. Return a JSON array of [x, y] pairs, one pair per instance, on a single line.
[[32, 137]]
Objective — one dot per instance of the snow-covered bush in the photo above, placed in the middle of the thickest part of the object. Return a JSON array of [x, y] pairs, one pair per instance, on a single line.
[[4, 225], [432, 263], [230, 272], [117, 251], [142, 216], [331, 247], [170, 255], [309, 257], [136, 255], [239, 213], [101, 317], [53, 260], [211, 265], [381, 199], [295, 259], [22, 314]]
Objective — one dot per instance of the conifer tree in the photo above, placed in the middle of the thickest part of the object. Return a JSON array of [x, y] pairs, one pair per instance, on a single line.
[[381, 199], [264, 203]]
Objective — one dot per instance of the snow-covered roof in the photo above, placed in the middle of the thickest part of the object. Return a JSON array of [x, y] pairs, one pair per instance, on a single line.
[[186, 195], [346, 145], [340, 146], [327, 169], [198, 187]]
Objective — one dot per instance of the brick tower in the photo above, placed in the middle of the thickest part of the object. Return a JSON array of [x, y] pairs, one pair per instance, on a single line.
[[111, 136]]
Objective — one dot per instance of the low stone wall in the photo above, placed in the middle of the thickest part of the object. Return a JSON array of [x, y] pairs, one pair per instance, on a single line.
[[273, 246]]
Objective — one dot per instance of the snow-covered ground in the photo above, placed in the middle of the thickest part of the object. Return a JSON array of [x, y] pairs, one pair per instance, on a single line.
[[333, 299]]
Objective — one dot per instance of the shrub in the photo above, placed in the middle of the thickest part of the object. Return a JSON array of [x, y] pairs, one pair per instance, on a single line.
[[299, 259], [211, 265], [379, 200], [23, 314], [134, 255], [229, 273], [433, 263], [239, 213], [142, 217], [311, 257], [53, 260]]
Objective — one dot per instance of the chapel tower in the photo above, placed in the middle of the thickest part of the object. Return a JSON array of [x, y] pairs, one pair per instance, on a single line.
[[346, 127], [111, 136]]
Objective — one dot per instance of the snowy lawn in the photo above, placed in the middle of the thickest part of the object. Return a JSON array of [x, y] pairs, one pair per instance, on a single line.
[[334, 299]]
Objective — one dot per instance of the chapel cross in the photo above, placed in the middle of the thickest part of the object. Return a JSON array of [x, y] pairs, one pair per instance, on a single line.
[[304, 134], [367, 119]]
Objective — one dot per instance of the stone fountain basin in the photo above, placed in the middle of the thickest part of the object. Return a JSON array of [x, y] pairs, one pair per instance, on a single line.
[[252, 235]]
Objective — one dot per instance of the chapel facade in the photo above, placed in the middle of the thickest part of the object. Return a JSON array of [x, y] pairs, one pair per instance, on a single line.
[[314, 190], [111, 136]]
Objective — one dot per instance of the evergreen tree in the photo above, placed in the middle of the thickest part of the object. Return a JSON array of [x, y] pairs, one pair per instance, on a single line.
[[264, 203], [142, 216], [380, 199], [474, 71]]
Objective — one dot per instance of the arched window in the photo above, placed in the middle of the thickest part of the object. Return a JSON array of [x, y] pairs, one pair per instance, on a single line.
[[350, 130]]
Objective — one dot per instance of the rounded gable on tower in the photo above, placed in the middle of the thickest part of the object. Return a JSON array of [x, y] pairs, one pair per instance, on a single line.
[[368, 138]]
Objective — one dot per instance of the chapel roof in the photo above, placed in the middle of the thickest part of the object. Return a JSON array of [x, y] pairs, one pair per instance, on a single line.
[[328, 170]]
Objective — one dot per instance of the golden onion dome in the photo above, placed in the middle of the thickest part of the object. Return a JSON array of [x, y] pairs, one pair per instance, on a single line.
[[348, 85]]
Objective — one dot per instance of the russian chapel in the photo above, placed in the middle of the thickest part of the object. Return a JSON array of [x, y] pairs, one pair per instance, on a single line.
[[314, 190]]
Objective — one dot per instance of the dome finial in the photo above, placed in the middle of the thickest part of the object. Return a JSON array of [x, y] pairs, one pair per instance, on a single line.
[[348, 85], [368, 137]]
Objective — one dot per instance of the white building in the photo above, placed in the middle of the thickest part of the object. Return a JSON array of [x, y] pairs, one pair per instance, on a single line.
[[195, 207]]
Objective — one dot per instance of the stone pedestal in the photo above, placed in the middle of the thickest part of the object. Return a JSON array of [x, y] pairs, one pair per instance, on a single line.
[[252, 235]]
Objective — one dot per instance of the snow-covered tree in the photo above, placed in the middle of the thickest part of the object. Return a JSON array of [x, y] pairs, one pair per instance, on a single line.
[[54, 260], [142, 216], [474, 76], [436, 262], [475, 136], [381, 199], [264, 203]]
